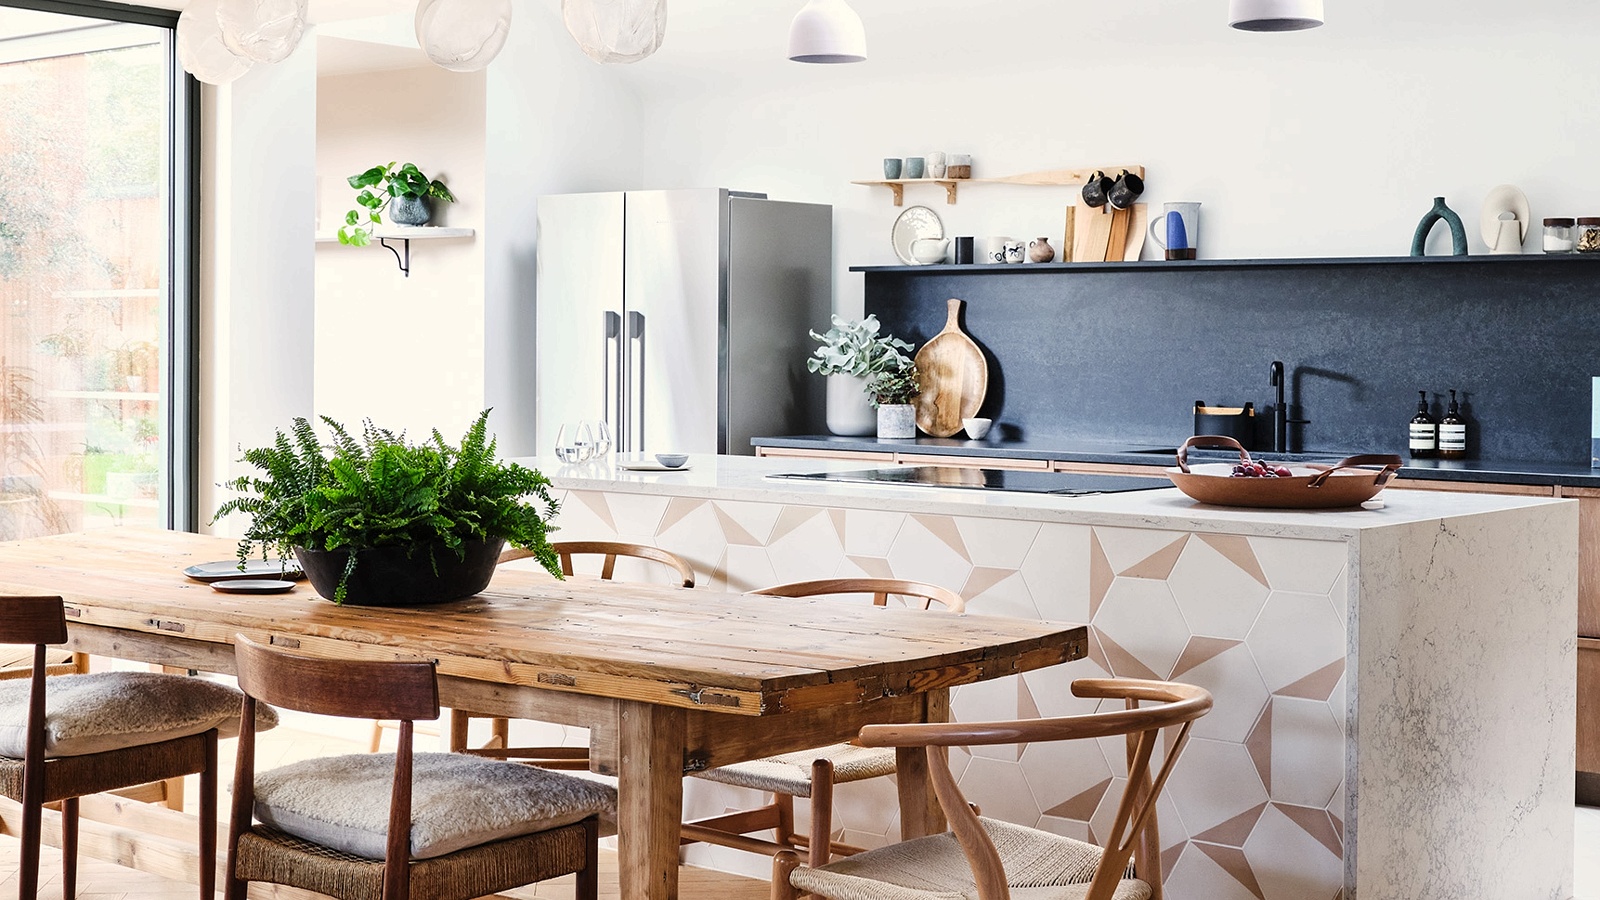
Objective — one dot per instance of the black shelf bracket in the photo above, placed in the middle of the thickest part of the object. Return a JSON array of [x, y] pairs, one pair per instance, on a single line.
[[403, 262]]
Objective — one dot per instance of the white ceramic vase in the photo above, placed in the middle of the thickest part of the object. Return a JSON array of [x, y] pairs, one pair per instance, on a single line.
[[849, 409], [897, 420]]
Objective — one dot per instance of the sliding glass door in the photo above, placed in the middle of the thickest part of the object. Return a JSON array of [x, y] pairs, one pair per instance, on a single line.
[[96, 316]]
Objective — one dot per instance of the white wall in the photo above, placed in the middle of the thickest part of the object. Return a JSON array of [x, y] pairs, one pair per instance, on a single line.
[[1331, 142], [405, 352], [256, 364], [557, 123]]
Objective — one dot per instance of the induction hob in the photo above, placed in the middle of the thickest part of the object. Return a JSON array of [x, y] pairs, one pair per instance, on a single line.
[[989, 480]]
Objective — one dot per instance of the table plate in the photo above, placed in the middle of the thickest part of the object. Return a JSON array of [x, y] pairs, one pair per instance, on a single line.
[[228, 570], [253, 586], [646, 465]]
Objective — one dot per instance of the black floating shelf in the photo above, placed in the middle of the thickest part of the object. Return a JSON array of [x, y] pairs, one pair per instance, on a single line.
[[1192, 264]]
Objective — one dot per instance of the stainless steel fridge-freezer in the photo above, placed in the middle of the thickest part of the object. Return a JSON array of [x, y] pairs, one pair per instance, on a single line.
[[680, 317]]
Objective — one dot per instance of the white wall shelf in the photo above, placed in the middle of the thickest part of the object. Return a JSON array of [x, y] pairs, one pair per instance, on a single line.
[[404, 235]]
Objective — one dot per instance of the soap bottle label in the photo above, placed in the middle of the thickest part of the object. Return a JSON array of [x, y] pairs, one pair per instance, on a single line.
[[1423, 436], [1451, 437]]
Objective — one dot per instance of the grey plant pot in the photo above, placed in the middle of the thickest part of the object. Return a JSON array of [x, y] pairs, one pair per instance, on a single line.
[[410, 211], [898, 420]]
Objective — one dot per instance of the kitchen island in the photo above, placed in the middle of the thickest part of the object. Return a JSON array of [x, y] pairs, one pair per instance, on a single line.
[[1394, 686]]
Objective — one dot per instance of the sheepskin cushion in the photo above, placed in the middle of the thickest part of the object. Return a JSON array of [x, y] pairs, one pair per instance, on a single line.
[[108, 710], [457, 801]]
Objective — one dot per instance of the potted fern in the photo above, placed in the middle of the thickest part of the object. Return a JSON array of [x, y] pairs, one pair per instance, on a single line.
[[893, 392], [378, 521]]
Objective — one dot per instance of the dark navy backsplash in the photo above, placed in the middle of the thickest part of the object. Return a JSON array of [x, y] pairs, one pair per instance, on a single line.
[[1121, 353]]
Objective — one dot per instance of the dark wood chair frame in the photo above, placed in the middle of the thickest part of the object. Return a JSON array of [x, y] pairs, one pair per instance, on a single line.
[[1134, 833], [41, 621], [400, 690], [734, 829]]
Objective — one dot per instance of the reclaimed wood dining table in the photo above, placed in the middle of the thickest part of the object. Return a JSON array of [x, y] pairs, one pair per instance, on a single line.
[[669, 681]]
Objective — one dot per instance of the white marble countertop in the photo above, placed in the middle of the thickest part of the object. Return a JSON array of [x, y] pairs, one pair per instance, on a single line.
[[746, 478]]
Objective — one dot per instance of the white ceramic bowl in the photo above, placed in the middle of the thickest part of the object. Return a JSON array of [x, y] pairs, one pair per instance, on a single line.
[[672, 460], [977, 428]]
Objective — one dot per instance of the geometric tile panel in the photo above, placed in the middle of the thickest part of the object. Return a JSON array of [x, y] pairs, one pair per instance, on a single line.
[[1254, 809]]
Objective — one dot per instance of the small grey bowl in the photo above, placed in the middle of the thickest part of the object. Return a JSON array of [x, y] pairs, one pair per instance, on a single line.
[[672, 460]]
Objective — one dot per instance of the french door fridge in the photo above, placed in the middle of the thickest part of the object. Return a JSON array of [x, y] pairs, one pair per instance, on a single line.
[[680, 317]]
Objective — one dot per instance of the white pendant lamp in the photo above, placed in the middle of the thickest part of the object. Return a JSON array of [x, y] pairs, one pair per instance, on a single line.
[[1274, 15], [616, 31], [827, 31], [462, 35], [262, 30], [200, 47]]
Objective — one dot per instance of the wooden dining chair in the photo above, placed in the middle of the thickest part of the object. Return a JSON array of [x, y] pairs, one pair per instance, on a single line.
[[435, 826], [990, 858], [499, 727], [67, 736], [808, 774]]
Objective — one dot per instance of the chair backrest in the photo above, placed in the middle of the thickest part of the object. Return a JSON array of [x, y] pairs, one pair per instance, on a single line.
[[566, 550], [1178, 706], [37, 621], [361, 689], [879, 588]]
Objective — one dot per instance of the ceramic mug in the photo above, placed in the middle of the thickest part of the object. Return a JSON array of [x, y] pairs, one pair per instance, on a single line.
[[936, 164], [1189, 212], [1016, 251], [915, 166], [994, 250], [891, 169], [964, 250]]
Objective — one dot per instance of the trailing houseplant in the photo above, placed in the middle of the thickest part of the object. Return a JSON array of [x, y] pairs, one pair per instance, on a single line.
[[378, 503], [406, 189], [892, 392], [850, 355]]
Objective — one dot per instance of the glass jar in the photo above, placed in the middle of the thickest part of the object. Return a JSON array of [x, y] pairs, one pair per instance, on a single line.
[[1558, 237], [1586, 237]]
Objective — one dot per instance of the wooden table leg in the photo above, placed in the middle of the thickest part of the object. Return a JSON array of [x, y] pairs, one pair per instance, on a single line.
[[920, 814], [650, 744]]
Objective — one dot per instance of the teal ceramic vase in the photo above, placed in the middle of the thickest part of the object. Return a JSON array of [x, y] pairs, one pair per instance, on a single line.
[[1458, 234]]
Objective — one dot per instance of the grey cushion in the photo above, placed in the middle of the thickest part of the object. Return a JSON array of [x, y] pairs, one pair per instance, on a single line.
[[107, 710], [457, 801]]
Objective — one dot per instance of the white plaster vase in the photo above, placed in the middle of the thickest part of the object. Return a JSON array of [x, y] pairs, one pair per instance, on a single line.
[[897, 420], [849, 409]]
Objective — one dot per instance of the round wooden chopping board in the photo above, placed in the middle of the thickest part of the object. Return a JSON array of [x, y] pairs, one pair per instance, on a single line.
[[954, 377]]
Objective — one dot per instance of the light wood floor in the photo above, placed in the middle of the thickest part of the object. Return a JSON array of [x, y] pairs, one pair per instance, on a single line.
[[107, 881]]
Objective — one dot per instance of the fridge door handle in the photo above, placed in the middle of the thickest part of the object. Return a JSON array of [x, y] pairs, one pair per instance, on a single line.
[[636, 377], [611, 404]]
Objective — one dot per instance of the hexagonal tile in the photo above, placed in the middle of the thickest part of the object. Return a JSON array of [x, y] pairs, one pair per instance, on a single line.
[[870, 532], [1006, 596], [1295, 635], [1307, 752], [809, 549], [746, 522], [585, 516], [1051, 688], [636, 515], [921, 555], [748, 568], [1236, 688], [1198, 874], [1001, 790], [1056, 570], [1214, 781], [1127, 547], [1290, 863], [989, 701], [1142, 618], [1059, 772], [997, 543], [867, 807], [1302, 566], [692, 531], [1217, 598]]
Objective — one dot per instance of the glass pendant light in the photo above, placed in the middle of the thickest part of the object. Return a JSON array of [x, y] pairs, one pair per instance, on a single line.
[[463, 35], [200, 48], [1274, 15], [262, 30], [616, 31], [827, 31]]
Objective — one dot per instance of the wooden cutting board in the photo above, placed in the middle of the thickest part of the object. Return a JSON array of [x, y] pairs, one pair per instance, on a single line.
[[1091, 233], [1136, 232], [954, 377]]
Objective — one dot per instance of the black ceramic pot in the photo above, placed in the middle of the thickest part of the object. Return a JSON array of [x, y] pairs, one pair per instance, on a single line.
[[410, 210], [390, 576]]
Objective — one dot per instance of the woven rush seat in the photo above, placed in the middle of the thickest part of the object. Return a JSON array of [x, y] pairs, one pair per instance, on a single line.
[[16, 661], [269, 855], [86, 714], [1038, 866], [790, 773], [459, 801]]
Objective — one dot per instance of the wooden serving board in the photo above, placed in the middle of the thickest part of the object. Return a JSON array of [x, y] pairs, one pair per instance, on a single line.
[[954, 377]]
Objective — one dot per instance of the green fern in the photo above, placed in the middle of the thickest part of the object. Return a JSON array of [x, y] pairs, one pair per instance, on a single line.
[[380, 491]]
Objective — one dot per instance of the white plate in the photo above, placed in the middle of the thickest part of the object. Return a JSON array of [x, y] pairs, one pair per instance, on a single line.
[[914, 224], [650, 465]]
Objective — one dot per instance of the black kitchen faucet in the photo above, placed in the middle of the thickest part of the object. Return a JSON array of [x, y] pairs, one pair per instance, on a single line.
[[1280, 411]]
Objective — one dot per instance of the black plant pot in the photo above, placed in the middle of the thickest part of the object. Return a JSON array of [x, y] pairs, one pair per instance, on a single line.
[[400, 576], [410, 210]]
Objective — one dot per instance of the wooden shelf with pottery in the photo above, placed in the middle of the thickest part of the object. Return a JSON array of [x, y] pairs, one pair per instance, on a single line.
[[1047, 178]]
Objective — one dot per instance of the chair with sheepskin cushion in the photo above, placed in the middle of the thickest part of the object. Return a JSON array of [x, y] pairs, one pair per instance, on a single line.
[[402, 825], [70, 735]]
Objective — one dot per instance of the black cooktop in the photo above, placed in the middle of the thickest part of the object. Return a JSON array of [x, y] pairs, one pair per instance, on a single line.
[[989, 480]]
